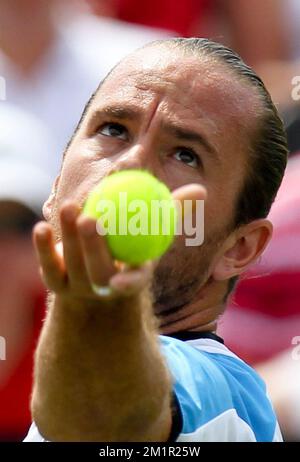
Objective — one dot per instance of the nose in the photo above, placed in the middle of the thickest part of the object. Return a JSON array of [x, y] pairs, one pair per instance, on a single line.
[[136, 157]]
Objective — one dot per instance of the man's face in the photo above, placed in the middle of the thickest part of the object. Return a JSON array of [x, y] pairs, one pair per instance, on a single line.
[[185, 119]]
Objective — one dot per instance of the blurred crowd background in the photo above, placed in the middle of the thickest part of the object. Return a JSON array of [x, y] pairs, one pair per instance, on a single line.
[[52, 56]]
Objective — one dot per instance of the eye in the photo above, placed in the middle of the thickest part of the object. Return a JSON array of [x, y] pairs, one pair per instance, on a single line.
[[187, 156], [114, 130]]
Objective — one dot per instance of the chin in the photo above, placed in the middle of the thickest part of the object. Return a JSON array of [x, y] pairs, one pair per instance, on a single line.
[[178, 278], [172, 293]]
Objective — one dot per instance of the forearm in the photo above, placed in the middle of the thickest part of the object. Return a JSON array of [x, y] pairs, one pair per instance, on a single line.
[[99, 374]]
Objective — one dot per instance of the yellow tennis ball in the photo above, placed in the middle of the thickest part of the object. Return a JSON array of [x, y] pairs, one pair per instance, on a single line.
[[137, 214]]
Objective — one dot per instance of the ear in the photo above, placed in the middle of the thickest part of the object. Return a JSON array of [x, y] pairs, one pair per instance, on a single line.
[[242, 248], [47, 207]]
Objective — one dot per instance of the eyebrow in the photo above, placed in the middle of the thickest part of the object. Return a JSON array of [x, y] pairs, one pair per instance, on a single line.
[[178, 131], [182, 133], [118, 112]]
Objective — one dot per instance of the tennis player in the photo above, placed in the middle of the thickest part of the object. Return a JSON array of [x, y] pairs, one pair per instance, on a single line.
[[143, 362]]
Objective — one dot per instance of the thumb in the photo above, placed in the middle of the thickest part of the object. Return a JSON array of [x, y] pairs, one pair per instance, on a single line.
[[192, 193]]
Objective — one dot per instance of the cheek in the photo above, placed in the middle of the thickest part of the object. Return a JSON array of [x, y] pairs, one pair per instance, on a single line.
[[175, 174], [184, 265], [219, 207], [180, 274], [79, 177]]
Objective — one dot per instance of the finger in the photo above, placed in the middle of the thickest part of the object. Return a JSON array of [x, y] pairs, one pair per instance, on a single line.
[[186, 200], [191, 191], [73, 255], [131, 281], [52, 264], [99, 263]]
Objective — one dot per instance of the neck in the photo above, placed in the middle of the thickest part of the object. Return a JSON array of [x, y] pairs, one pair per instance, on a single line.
[[201, 313], [25, 34]]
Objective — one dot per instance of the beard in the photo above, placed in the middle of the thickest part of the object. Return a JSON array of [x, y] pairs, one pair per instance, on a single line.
[[181, 273]]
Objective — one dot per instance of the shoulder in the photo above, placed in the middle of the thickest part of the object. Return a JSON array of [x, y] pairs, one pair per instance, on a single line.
[[220, 397]]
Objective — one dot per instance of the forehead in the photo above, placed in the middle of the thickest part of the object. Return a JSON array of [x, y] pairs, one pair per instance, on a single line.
[[196, 86]]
